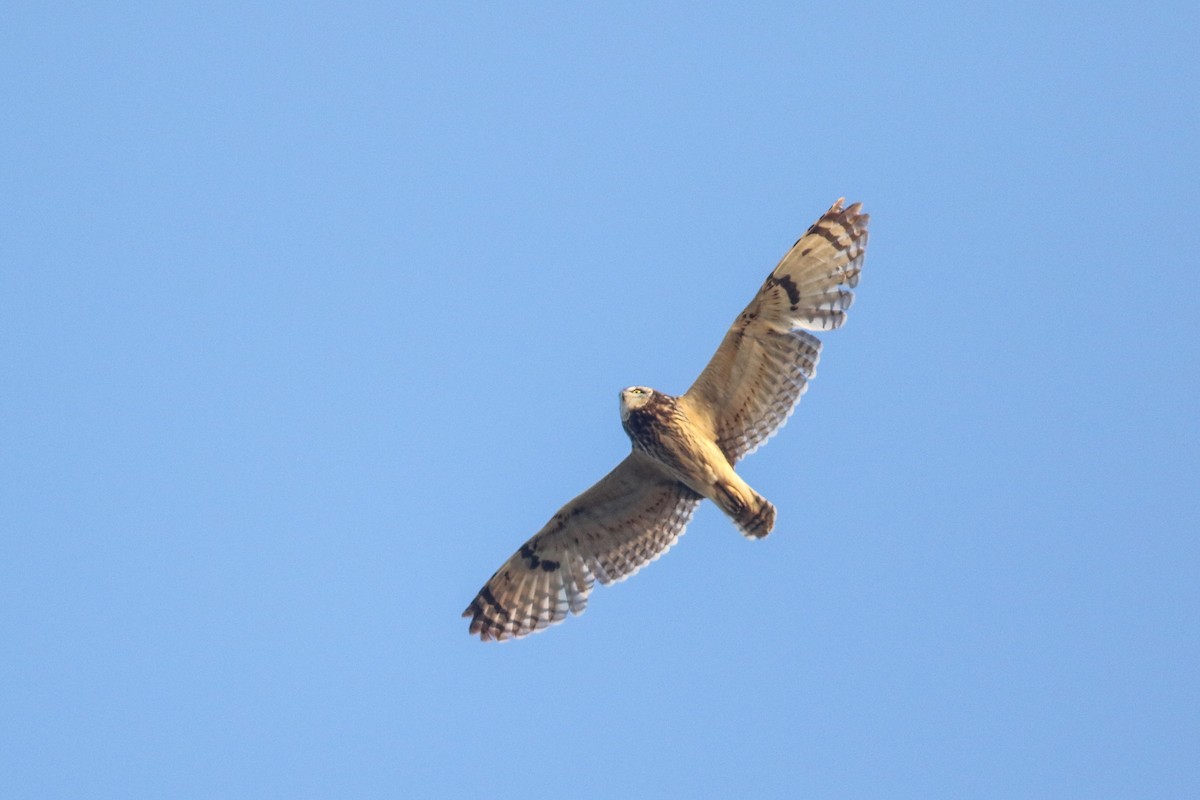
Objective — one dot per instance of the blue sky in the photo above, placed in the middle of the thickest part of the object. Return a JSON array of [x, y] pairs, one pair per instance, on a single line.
[[312, 313]]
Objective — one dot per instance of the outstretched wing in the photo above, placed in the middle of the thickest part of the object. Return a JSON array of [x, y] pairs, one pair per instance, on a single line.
[[628, 519], [763, 366]]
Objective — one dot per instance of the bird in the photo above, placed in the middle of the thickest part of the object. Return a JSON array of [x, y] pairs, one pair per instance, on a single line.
[[684, 448]]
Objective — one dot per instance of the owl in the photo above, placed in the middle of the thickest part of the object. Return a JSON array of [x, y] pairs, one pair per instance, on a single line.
[[685, 448]]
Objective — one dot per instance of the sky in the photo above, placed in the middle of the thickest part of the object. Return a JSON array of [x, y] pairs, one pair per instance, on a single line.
[[310, 314]]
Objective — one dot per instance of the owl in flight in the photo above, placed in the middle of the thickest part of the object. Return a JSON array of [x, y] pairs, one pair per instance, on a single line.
[[684, 448]]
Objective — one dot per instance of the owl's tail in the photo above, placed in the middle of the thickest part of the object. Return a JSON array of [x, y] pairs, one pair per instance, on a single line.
[[752, 513]]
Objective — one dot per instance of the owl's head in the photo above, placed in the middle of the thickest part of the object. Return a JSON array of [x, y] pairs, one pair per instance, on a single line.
[[634, 398]]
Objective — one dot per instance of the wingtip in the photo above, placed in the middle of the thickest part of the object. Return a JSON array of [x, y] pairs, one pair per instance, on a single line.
[[852, 214]]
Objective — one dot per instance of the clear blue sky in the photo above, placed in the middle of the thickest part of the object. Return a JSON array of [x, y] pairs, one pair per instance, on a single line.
[[311, 314]]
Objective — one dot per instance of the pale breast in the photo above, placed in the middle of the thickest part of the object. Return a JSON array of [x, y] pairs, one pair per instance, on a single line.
[[661, 430]]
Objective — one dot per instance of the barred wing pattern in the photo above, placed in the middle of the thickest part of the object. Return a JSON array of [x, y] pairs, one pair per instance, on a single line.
[[626, 520], [764, 364]]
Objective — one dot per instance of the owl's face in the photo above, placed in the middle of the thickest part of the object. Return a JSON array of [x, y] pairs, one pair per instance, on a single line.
[[634, 398]]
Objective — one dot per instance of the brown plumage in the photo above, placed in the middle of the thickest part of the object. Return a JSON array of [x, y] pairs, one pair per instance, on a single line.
[[685, 448]]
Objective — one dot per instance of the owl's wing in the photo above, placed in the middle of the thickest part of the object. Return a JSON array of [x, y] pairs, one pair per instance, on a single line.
[[628, 519], [763, 366]]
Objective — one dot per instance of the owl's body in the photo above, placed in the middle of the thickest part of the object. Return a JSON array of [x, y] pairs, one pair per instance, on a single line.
[[659, 426], [685, 448]]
